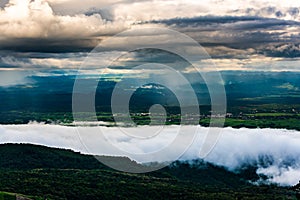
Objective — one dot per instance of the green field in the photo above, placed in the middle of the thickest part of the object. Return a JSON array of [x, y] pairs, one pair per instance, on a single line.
[[243, 115], [272, 114], [290, 123]]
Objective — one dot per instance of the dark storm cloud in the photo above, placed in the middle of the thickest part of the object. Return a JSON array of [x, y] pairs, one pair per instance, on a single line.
[[266, 36], [221, 22], [40, 60], [49, 45], [10, 62], [282, 50]]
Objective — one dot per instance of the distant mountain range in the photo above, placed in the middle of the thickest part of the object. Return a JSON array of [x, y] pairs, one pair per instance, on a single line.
[[45, 98]]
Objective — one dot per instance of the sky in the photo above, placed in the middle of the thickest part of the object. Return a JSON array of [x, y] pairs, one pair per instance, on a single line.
[[50, 35]]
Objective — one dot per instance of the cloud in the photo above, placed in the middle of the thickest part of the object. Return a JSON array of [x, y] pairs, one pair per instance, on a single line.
[[12, 78], [266, 149], [271, 11], [236, 22], [288, 86], [73, 7], [234, 31], [274, 152], [3, 3], [158, 10], [223, 58], [15, 63], [33, 26], [243, 42], [289, 50], [240, 33], [146, 10], [286, 176]]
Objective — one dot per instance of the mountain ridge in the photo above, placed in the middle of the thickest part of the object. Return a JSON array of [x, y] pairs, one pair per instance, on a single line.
[[63, 174]]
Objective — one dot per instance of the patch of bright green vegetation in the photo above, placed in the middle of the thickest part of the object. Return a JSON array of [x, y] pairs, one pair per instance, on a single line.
[[292, 123], [271, 114]]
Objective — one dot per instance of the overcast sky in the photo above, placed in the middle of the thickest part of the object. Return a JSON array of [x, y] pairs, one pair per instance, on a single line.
[[41, 35]]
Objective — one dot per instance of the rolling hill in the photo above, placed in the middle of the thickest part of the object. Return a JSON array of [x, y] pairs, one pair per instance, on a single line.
[[51, 173]]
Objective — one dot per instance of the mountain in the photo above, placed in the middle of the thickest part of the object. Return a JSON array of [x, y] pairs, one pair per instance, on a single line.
[[63, 174]]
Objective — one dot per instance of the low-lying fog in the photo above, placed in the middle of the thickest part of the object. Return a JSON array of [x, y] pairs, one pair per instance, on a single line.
[[275, 152]]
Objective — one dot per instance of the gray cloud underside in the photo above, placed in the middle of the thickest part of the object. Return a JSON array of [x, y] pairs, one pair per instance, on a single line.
[[231, 34], [236, 35], [265, 36], [52, 45]]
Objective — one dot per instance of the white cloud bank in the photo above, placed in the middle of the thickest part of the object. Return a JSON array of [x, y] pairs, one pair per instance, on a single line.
[[162, 9], [276, 152], [135, 10], [39, 18], [36, 19]]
